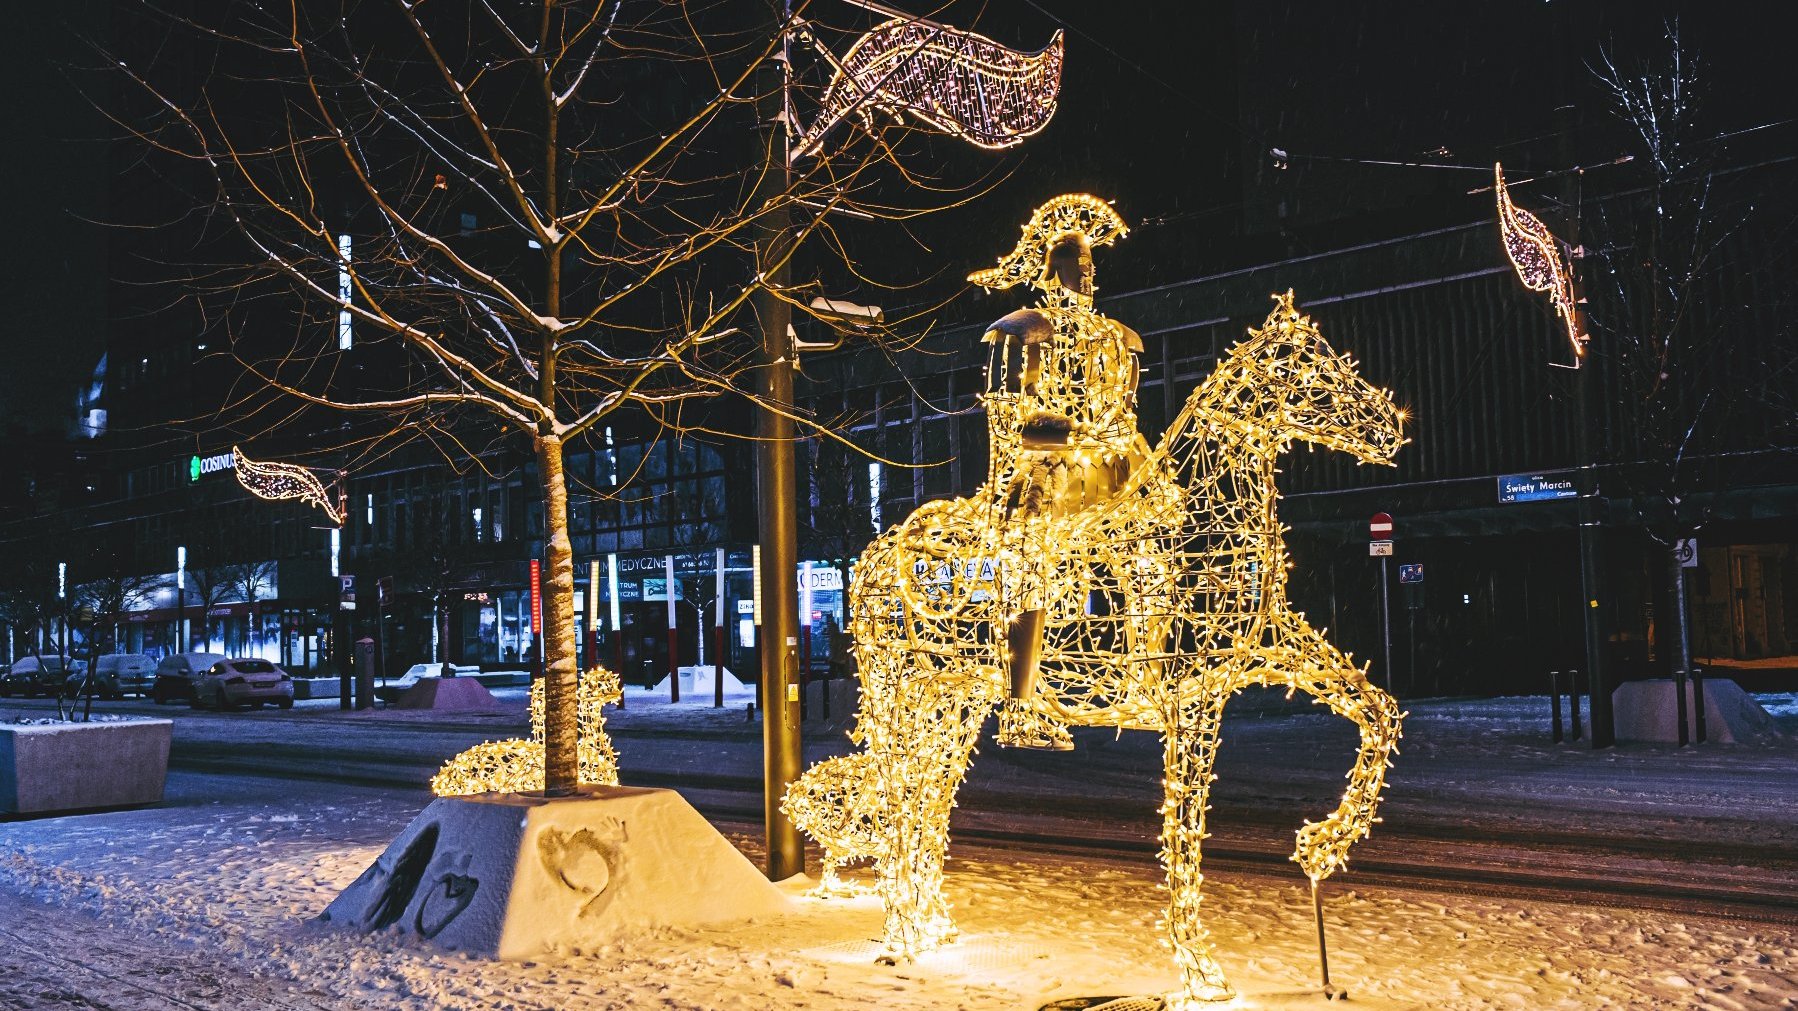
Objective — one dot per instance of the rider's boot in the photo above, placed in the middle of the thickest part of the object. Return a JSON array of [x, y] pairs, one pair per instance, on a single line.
[[1023, 727], [1020, 726]]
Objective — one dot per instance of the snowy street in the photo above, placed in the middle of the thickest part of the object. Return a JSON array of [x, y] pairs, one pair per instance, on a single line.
[[203, 902]]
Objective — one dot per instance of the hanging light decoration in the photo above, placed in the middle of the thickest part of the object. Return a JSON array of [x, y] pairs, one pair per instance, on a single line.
[[1536, 254], [277, 481], [1096, 581], [951, 80]]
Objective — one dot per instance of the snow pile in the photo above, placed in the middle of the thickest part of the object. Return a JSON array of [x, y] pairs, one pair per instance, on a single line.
[[518, 875], [447, 695]]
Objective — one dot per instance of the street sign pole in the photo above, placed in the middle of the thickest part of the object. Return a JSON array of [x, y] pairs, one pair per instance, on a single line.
[[1379, 528], [1386, 616]]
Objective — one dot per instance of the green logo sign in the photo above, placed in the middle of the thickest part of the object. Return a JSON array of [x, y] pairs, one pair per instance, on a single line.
[[200, 466]]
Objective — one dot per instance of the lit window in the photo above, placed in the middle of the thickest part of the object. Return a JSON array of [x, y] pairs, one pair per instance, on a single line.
[[345, 336], [475, 514], [874, 495], [371, 509]]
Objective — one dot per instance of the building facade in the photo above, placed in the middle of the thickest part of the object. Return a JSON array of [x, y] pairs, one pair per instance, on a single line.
[[437, 553]]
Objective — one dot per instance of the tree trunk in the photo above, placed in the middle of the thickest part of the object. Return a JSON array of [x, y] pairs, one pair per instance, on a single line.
[[561, 679], [1679, 639]]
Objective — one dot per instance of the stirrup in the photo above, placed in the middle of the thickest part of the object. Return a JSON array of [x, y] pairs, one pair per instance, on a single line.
[[1020, 727]]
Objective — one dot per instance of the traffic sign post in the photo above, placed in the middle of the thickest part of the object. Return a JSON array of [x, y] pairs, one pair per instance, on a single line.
[[1410, 582], [1379, 529]]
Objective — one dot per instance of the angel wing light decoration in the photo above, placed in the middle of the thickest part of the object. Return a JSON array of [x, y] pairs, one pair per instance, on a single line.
[[277, 481], [1536, 254], [955, 81]]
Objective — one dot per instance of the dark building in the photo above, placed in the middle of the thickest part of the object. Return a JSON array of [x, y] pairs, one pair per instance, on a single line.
[[1401, 267]]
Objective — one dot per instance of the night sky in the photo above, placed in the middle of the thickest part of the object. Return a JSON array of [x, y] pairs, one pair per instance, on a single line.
[[1170, 109]]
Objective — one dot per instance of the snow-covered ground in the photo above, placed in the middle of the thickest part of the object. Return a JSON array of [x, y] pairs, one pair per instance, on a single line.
[[206, 903]]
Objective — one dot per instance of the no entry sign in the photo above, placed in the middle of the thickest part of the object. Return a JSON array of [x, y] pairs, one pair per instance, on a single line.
[[1380, 527]]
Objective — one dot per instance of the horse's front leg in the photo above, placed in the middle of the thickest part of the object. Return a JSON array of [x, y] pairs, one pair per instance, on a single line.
[[1312, 664], [1190, 739]]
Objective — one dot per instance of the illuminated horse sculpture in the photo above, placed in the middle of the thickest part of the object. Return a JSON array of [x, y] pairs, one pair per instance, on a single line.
[[1092, 581]]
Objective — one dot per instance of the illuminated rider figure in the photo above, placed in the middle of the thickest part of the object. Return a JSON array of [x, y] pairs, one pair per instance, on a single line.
[[1061, 403]]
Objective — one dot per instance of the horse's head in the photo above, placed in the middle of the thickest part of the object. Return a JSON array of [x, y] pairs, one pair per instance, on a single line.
[[1288, 383]]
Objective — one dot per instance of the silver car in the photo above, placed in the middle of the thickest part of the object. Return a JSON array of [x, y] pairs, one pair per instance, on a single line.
[[115, 676], [243, 682]]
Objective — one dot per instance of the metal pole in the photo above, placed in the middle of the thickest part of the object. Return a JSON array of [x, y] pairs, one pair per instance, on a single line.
[[1591, 501], [1411, 678], [1386, 621], [592, 636], [1573, 703], [1554, 694], [1698, 704], [1323, 952], [718, 638], [1680, 660], [775, 487], [673, 632], [617, 629]]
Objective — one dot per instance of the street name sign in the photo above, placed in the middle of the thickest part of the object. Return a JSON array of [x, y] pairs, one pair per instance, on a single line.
[[1535, 487]]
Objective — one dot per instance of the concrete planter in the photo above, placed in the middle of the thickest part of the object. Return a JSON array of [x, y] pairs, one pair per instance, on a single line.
[[75, 766]]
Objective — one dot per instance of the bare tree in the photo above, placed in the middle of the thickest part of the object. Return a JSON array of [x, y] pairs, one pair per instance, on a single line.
[[1686, 358], [208, 587], [539, 217], [250, 580], [101, 601]]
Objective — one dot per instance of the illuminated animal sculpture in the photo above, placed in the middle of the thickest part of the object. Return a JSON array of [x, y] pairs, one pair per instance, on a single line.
[[515, 765], [1092, 581]]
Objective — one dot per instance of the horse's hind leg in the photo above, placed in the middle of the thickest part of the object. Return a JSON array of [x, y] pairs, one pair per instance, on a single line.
[[1190, 747], [1311, 663]]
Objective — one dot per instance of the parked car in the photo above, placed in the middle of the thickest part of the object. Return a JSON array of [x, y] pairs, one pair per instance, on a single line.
[[243, 682], [176, 675], [39, 675], [115, 676], [393, 688]]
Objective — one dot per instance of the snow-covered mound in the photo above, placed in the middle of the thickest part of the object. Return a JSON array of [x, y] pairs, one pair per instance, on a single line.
[[447, 695], [516, 875]]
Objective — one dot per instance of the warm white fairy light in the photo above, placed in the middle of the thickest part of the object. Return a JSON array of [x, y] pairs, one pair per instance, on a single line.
[[515, 766], [955, 81], [1028, 261], [1129, 587], [1536, 254], [277, 481]]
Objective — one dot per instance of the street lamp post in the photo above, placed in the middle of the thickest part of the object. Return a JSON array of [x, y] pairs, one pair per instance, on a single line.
[[909, 66], [181, 599], [62, 604], [777, 519]]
